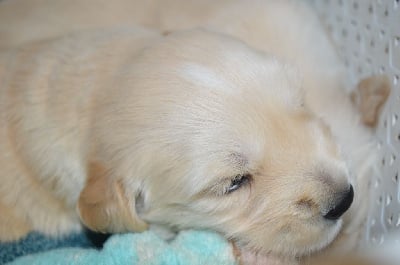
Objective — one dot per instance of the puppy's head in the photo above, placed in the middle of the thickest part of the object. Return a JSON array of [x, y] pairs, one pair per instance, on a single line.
[[203, 132]]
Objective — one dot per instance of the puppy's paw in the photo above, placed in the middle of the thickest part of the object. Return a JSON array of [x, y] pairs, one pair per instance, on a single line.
[[369, 97]]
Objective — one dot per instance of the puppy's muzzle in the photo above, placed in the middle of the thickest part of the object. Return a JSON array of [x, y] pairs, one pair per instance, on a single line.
[[341, 206]]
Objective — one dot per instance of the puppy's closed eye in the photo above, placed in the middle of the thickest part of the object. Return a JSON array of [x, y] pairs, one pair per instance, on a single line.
[[226, 186], [237, 182]]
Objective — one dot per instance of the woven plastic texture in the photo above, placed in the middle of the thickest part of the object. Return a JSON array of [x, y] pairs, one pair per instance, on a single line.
[[367, 33]]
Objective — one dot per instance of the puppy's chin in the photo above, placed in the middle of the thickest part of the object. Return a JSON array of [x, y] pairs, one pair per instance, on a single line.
[[327, 237], [287, 250], [249, 257], [319, 242], [286, 256]]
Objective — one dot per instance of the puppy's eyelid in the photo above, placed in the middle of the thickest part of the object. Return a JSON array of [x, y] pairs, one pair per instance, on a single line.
[[226, 186], [238, 182]]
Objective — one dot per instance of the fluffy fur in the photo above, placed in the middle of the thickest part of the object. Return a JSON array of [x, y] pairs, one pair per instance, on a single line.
[[136, 128]]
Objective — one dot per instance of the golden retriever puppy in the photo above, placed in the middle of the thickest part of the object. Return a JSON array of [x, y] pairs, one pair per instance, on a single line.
[[195, 130]]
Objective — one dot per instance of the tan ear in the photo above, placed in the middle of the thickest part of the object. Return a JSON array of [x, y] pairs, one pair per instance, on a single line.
[[103, 205], [370, 96]]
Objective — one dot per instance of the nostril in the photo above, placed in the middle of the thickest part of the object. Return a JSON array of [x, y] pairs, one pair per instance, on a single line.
[[342, 206]]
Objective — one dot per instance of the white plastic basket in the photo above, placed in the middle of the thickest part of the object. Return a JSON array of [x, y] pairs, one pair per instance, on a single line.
[[367, 33]]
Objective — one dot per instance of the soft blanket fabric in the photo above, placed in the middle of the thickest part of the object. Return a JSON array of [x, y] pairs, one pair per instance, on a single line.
[[36, 242], [189, 247]]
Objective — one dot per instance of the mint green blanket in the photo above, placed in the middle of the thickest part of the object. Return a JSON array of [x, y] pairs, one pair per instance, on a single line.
[[189, 247]]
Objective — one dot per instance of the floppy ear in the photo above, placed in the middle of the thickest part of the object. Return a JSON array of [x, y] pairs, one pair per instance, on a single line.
[[103, 205], [370, 96]]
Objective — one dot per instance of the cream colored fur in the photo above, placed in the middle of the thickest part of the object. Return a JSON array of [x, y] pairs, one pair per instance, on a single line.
[[169, 126]]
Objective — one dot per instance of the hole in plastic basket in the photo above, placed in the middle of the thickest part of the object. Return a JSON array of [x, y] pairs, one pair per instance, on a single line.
[[390, 219], [382, 33], [389, 200], [398, 220], [394, 119], [380, 200], [396, 178], [370, 9], [377, 183], [387, 49], [395, 80], [392, 159], [372, 43], [355, 5]]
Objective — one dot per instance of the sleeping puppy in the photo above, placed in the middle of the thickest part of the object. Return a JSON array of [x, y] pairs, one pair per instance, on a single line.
[[195, 130]]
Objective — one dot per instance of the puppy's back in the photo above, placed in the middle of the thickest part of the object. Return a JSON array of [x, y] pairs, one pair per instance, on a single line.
[[48, 93]]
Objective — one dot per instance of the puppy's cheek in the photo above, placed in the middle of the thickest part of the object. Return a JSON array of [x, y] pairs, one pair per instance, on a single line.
[[103, 205]]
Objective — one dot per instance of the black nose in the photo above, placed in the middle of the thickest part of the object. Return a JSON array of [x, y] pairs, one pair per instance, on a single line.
[[341, 206]]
